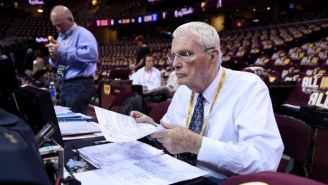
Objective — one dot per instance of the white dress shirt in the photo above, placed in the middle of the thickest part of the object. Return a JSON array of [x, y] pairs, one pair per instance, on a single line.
[[172, 81], [150, 79], [241, 135]]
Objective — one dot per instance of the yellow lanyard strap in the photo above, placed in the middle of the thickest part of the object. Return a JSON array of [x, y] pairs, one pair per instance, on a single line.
[[69, 37], [191, 102]]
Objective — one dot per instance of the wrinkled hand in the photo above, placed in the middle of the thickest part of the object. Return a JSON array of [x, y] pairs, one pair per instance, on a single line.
[[177, 139], [142, 118], [52, 48]]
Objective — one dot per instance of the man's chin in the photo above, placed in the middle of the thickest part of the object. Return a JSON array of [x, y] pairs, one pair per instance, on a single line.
[[182, 81]]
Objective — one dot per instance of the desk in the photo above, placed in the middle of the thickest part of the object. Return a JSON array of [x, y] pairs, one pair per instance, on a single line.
[[88, 142]]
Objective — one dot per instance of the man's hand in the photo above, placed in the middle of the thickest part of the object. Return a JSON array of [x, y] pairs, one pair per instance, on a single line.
[[52, 48], [177, 139], [162, 72], [142, 118], [144, 89]]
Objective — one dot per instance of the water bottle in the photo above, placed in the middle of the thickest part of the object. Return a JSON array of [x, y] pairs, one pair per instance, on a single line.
[[52, 91]]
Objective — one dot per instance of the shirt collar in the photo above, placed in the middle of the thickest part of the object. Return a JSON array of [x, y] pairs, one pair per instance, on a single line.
[[210, 90], [68, 32]]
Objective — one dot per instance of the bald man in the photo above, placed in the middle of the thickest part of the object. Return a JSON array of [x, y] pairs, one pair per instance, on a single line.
[[75, 54]]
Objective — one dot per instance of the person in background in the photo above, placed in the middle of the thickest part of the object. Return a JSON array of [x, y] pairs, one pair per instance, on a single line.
[[39, 67], [169, 86], [75, 54], [3, 56], [12, 57], [142, 51], [219, 119], [28, 61], [148, 76]]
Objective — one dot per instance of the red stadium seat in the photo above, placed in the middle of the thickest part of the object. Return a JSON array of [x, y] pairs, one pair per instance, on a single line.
[[298, 139], [269, 178]]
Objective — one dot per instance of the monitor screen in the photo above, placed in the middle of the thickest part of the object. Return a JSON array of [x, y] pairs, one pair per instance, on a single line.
[[36, 107]]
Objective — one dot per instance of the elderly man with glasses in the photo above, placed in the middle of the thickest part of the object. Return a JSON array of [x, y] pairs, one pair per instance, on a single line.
[[219, 119]]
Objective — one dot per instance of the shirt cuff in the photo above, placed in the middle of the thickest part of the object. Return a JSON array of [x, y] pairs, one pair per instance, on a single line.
[[211, 151]]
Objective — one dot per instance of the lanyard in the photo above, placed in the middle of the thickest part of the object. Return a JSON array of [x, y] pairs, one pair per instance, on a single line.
[[69, 37], [191, 102], [151, 71]]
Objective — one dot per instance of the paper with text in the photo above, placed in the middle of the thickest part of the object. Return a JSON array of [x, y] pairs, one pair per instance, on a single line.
[[82, 136], [159, 170], [118, 127], [117, 153], [78, 127]]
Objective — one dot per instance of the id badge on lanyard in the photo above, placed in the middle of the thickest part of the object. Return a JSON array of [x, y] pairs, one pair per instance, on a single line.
[[61, 69]]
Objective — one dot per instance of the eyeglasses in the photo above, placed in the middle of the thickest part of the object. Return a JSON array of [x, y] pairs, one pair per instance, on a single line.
[[184, 55]]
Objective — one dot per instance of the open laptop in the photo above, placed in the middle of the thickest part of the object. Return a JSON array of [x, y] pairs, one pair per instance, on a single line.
[[137, 89]]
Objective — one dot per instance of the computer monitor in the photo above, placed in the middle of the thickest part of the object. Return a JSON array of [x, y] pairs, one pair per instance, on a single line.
[[36, 107], [32, 104]]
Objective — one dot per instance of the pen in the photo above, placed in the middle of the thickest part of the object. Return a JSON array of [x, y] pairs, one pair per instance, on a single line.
[[101, 142]]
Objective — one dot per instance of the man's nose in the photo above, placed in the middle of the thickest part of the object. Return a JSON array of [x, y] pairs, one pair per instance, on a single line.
[[176, 63]]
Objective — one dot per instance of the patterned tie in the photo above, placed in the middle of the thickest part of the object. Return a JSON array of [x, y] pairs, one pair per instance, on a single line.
[[195, 125], [197, 118]]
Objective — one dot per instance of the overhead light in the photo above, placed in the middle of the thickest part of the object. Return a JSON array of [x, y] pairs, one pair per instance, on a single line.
[[255, 20], [94, 2], [40, 10]]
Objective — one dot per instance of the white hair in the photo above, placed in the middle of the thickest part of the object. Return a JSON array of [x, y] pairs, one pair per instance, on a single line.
[[206, 35]]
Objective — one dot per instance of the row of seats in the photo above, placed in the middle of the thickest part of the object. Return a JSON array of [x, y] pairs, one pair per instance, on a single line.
[[5, 21], [308, 59], [247, 45]]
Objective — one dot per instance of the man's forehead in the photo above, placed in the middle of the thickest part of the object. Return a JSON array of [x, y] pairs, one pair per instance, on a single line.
[[184, 42]]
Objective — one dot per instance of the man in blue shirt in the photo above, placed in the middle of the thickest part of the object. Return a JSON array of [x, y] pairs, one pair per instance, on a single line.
[[75, 55]]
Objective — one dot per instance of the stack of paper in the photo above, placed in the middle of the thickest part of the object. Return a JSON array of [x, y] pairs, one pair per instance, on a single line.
[[61, 110], [78, 127], [117, 153], [71, 116], [65, 114], [129, 161], [134, 163], [79, 130]]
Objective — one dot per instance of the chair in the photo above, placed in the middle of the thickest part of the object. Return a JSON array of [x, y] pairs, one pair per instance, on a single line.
[[298, 138], [118, 73], [119, 99], [272, 178], [158, 110]]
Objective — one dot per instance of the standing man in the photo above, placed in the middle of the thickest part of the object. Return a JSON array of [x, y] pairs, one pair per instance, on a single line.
[[219, 119], [75, 55]]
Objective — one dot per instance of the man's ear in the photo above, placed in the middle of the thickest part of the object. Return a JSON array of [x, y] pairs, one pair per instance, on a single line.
[[214, 56]]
